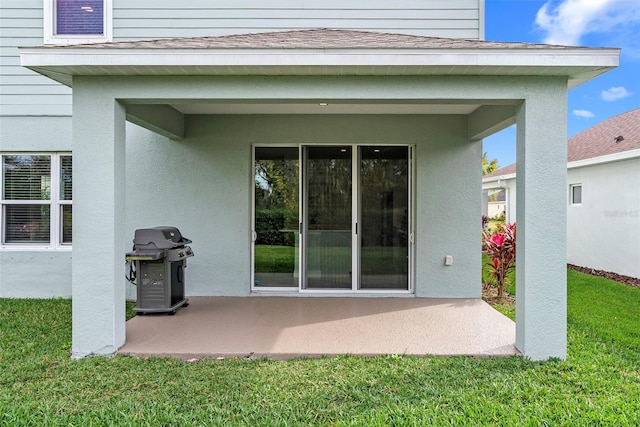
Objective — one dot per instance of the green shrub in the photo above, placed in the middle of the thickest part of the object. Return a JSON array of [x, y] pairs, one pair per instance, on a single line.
[[500, 248], [276, 226]]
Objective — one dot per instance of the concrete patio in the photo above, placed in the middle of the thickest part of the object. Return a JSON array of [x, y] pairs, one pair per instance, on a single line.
[[288, 327]]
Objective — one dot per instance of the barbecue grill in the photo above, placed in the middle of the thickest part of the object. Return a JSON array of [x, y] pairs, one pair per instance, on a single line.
[[158, 261]]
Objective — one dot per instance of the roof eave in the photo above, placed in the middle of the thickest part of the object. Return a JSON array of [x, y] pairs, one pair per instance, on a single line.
[[578, 65]]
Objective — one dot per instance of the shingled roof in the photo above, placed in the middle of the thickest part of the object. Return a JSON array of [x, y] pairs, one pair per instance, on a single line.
[[507, 170], [614, 135], [320, 38], [601, 139]]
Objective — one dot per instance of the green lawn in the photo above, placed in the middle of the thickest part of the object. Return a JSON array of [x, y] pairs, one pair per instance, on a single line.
[[598, 384], [374, 260]]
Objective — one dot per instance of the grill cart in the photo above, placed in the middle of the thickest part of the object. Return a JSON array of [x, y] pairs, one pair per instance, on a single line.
[[158, 259]]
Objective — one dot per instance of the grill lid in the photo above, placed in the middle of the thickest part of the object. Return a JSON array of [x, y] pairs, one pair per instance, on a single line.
[[163, 237]]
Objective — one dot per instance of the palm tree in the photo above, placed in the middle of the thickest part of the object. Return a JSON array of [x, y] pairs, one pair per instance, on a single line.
[[487, 165]]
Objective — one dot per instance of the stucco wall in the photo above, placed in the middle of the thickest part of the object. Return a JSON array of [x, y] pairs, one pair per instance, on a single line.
[[35, 274], [203, 186], [604, 231], [41, 273]]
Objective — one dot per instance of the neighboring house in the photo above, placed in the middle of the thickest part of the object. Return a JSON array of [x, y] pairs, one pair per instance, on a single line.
[[602, 195], [497, 204], [503, 180], [342, 156]]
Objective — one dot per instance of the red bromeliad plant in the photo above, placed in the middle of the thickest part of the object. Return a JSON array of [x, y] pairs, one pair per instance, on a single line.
[[500, 247]]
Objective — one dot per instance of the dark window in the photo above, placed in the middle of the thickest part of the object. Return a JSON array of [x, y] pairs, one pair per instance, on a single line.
[[576, 194], [79, 17]]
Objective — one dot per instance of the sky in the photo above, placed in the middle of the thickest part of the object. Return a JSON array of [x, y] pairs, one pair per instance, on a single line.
[[593, 23]]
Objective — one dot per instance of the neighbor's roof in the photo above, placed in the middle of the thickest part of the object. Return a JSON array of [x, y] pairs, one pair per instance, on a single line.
[[507, 170], [600, 140], [597, 141], [319, 52]]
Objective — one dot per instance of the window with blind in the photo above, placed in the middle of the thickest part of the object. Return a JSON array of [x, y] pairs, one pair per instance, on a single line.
[[36, 199], [77, 21]]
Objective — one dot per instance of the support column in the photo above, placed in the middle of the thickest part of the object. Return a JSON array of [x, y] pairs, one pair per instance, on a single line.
[[98, 220], [485, 202], [541, 277]]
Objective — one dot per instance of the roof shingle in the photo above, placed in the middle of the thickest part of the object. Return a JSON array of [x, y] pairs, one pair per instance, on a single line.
[[320, 38]]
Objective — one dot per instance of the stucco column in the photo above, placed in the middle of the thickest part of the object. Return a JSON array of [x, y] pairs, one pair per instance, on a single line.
[[541, 302], [98, 220], [485, 202]]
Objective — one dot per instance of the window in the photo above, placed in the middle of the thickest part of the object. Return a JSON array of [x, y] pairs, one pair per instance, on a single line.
[[576, 194], [36, 200], [77, 21]]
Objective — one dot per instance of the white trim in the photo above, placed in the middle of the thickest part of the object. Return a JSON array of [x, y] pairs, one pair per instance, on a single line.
[[412, 219], [252, 238], [496, 180], [479, 57], [578, 65], [359, 292], [50, 36], [356, 206], [54, 203], [481, 19], [607, 158], [264, 292]]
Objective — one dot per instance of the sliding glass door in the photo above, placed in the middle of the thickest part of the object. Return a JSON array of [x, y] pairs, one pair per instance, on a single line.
[[333, 217], [328, 217], [276, 234], [384, 217]]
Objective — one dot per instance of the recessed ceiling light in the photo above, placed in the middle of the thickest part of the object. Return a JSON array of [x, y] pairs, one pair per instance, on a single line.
[[323, 104]]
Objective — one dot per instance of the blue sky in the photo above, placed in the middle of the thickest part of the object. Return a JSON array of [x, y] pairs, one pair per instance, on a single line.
[[593, 23]]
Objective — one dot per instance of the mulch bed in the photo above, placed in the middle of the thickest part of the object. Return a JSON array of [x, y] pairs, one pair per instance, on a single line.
[[627, 280], [490, 294]]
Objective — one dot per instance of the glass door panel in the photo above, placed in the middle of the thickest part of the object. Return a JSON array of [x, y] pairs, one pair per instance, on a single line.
[[384, 217], [276, 245], [328, 217]]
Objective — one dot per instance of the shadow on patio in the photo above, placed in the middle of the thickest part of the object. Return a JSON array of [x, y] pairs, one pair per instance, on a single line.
[[287, 327]]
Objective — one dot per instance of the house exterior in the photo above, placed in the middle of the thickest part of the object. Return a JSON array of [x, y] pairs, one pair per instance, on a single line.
[[305, 149], [602, 195]]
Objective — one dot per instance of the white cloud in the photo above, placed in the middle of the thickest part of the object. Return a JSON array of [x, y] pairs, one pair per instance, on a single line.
[[584, 113], [565, 22], [615, 93]]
